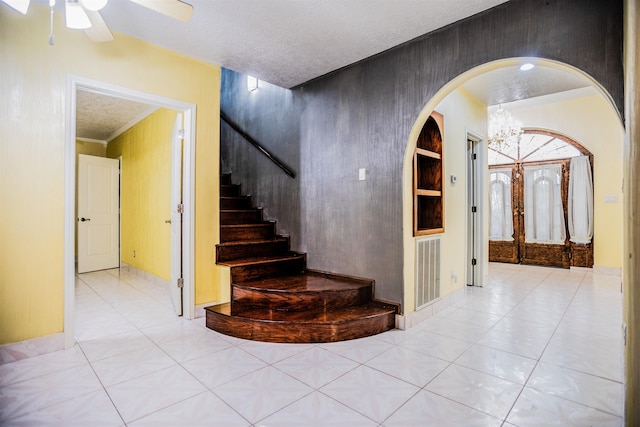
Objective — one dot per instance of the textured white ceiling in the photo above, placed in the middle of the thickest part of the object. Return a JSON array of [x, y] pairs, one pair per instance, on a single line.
[[102, 118], [289, 42], [510, 84]]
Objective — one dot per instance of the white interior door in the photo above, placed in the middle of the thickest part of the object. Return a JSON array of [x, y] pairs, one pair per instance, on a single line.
[[176, 217], [98, 213]]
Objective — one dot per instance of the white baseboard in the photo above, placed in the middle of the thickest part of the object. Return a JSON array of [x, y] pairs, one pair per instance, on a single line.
[[610, 271], [200, 309], [30, 348], [145, 275], [412, 319]]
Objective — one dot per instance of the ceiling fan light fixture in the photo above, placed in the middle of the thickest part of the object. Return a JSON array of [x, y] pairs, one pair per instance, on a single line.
[[19, 5], [75, 16], [94, 5]]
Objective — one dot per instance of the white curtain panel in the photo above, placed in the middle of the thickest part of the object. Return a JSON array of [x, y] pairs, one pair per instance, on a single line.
[[580, 201], [543, 212], [501, 216]]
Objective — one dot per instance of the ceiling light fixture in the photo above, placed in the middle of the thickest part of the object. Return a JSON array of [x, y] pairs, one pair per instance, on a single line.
[[252, 83], [75, 16], [503, 130], [527, 66], [19, 5], [94, 5]]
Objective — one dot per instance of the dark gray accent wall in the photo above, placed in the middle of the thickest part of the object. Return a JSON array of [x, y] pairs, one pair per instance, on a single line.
[[361, 116], [269, 115]]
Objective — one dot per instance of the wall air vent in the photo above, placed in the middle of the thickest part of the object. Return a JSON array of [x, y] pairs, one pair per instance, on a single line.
[[427, 271]]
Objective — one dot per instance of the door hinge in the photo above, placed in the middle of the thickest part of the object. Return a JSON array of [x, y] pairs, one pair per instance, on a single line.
[[180, 208], [474, 261], [474, 209], [474, 156], [181, 133], [180, 282]]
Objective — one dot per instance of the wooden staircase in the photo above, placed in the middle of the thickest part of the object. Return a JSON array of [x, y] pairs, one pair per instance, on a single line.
[[274, 297]]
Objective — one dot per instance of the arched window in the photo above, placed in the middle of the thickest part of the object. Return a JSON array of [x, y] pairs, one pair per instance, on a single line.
[[537, 146]]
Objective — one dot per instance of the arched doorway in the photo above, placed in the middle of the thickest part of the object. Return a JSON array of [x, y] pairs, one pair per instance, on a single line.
[[587, 126], [541, 201]]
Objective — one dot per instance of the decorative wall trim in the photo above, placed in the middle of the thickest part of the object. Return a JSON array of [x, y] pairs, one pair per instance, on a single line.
[[91, 140], [31, 348], [140, 117], [414, 318]]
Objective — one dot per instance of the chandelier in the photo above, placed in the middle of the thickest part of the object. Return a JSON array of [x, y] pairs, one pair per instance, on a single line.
[[503, 130]]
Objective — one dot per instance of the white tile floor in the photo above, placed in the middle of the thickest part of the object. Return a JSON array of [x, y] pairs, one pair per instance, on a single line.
[[536, 347]]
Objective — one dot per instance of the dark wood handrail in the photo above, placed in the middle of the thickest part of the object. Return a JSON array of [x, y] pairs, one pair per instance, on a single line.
[[256, 144]]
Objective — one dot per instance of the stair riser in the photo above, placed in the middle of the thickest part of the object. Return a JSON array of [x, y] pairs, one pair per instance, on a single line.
[[225, 179], [240, 217], [301, 301], [230, 203], [292, 332], [251, 250], [258, 232], [264, 270], [229, 190]]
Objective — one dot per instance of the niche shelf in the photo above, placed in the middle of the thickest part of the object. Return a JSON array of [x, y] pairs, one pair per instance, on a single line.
[[428, 203]]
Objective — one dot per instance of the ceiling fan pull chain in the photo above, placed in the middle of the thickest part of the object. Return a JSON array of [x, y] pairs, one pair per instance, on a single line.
[[52, 39]]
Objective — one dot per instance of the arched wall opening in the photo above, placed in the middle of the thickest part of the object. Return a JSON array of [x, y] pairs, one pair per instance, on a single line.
[[553, 118]]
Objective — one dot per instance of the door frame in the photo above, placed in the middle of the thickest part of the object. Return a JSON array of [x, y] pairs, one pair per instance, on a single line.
[[478, 242], [188, 184]]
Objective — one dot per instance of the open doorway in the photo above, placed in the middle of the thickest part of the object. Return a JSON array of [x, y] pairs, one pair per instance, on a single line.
[[476, 252], [182, 177], [573, 105]]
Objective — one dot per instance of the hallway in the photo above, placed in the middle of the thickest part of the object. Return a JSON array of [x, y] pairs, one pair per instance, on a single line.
[[537, 346]]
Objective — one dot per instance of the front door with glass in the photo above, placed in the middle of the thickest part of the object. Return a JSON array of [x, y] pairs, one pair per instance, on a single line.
[[530, 204]]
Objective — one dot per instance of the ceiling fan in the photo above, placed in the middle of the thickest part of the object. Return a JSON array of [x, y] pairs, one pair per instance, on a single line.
[[85, 14]]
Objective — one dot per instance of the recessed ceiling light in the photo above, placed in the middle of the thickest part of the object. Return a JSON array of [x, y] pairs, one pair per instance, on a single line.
[[526, 67]]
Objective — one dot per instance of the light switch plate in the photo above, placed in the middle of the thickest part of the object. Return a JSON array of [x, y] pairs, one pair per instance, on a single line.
[[362, 174]]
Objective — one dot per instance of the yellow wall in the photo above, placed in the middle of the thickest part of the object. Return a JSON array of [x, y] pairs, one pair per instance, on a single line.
[[590, 121], [91, 149], [146, 192], [32, 125], [462, 112]]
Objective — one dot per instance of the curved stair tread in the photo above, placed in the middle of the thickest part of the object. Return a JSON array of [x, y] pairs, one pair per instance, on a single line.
[[315, 316], [302, 282], [253, 242], [263, 324], [262, 260]]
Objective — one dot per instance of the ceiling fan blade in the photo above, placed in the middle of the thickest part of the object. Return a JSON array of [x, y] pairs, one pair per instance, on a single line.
[[99, 31], [175, 9], [19, 5]]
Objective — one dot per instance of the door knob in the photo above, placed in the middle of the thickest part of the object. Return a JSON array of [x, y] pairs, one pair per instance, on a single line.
[[83, 219]]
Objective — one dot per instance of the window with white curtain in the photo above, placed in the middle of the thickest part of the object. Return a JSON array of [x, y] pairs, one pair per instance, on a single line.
[[580, 201], [544, 215], [500, 217]]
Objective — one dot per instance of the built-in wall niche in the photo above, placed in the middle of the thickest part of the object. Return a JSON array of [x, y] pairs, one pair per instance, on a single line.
[[428, 203]]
